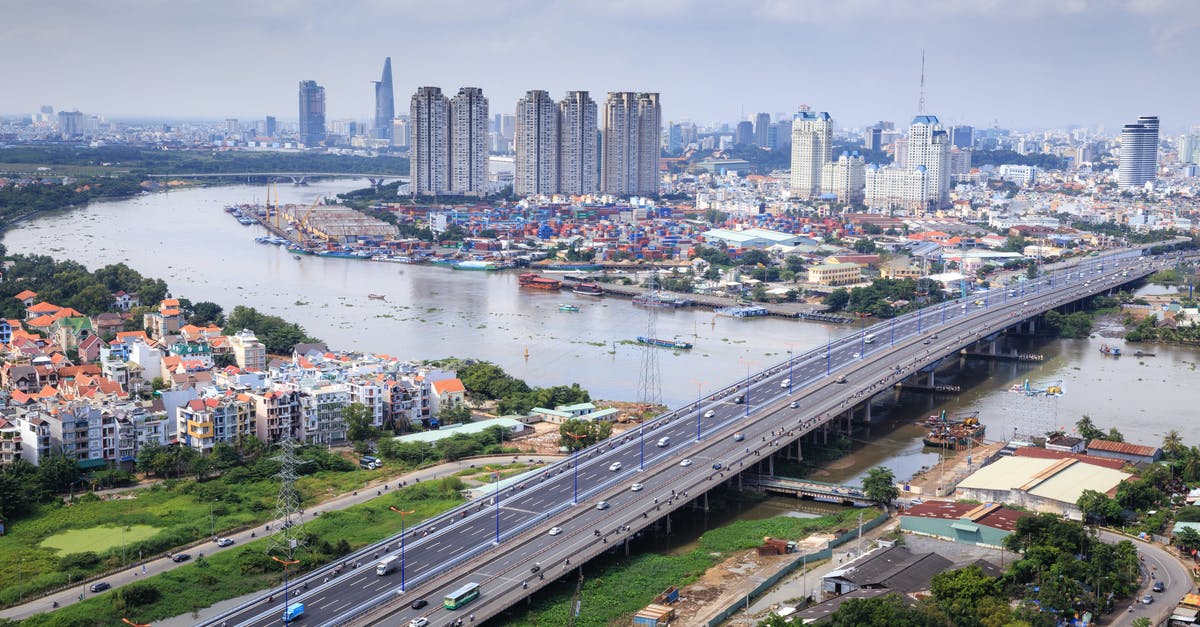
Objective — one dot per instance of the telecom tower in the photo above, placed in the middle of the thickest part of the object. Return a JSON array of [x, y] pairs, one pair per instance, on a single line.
[[649, 378], [289, 536]]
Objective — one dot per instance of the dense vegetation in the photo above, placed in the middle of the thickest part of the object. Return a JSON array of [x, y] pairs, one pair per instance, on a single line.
[[486, 381], [1043, 161], [17, 202], [140, 161], [886, 298], [490, 441], [69, 284], [277, 334]]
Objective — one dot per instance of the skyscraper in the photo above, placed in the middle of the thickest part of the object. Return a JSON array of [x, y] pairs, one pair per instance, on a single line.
[[535, 141], [577, 144], [1139, 153], [873, 138], [743, 134], [312, 113], [630, 143], [929, 147], [762, 122], [962, 136], [385, 105], [269, 126], [469, 142], [812, 147], [429, 164], [921, 179]]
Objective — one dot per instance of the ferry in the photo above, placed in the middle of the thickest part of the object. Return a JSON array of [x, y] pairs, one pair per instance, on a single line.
[[588, 289], [653, 341], [532, 279], [570, 308]]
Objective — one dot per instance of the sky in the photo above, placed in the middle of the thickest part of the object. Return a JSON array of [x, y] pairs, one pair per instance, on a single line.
[[1024, 64]]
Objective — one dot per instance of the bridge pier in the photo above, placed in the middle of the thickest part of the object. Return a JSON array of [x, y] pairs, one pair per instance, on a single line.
[[626, 547]]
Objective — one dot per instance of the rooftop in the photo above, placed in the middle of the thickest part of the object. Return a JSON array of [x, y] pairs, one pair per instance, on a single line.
[[1124, 448]]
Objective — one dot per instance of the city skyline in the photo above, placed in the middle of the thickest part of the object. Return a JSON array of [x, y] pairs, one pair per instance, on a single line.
[[1050, 64]]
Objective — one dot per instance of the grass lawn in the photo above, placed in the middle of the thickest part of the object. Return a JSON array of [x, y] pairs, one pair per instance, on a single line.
[[98, 539], [230, 574]]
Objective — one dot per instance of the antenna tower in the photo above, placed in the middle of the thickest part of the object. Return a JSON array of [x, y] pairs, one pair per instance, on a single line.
[[289, 536], [649, 380], [921, 102]]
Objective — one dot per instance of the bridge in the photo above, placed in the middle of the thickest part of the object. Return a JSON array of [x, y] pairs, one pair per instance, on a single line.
[[297, 178], [600, 497], [815, 490]]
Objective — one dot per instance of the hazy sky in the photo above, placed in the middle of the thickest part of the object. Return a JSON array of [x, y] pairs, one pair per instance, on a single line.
[[1021, 63]]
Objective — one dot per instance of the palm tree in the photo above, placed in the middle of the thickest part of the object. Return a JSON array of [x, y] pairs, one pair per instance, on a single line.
[[1191, 466], [1173, 444]]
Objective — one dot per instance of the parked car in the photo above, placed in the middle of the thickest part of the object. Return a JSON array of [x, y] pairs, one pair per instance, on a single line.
[[99, 586]]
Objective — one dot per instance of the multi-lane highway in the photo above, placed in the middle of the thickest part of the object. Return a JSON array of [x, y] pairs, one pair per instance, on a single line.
[[599, 497]]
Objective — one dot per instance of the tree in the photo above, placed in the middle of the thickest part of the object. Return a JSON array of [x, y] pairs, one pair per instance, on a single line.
[[865, 246], [890, 610], [592, 431], [455, 413], [357, 417], [1087, 429], [58, 473], [968, 597], [1173, 445], [837, 299], [755, 257], [205, 311], [880, 486], [1188, 539], [1096, 505]]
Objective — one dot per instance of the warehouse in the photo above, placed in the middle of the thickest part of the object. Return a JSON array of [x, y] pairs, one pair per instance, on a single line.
[[985, 525], [1043, 485]]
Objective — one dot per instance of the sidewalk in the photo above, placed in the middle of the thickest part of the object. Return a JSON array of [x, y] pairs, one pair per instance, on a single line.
[[159, 565]]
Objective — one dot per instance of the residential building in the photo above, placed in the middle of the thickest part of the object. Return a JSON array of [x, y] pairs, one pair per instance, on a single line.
[[812, 148], [203, 422], [429, 163], [1188, 147], [577, 172], [1124, 451], [1138, 162], [1023, 175], [248, 352], [743, 133], [762, 122], [920, 181], [630, 143], [835, 274], [844, 178], [929, 147], [469, 142], [385, 105], [446, 393], [536, 143], [322, 409], [277, 416], [873, 138], [312, 113]]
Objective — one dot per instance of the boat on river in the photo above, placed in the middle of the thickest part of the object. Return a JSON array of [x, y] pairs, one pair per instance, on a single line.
[[1111, 351], [953, 434], [376, 296], [536, 281], [653, 341], [568, 308], [588, 289]]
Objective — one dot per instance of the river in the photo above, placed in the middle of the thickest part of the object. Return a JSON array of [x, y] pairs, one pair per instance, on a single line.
[[187, 239]]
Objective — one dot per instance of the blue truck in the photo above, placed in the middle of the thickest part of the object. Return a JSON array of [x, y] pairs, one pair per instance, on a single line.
[[293, 611]]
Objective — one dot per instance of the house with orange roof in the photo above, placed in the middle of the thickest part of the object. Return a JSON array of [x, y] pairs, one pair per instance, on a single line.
[[41, 324], [166, 321], [193, 333], [89, 348], [27, 298], [446, 393], [40, 309]]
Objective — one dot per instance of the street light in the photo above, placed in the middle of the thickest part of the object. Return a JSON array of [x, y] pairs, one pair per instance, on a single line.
[[496, 498], [790, 383], [575, 498], [747, 362], [402, 515], [699, 386], [286, 618]]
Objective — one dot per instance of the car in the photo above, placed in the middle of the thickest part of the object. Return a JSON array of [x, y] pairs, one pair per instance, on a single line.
[[602, 505], [717, 466], [180, 557], [916, 501], [664, 442], [419, 621], [739, 436], [785, 383], [710, 413], [535, 568], [224, 541], [1148, 599], [555, 531], [926, 342], [418, 604], [99, 586], [686, 462], [615, 466], [841, 379], [1159, 586], [637, 487], [933, 337], [794, 404], [857, 355]]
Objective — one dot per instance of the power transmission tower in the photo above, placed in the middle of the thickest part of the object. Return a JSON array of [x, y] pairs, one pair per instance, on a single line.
[[288, 537], [649, 378]]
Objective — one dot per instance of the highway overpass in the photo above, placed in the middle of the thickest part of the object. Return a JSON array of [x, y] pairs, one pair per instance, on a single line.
[[505, 546]]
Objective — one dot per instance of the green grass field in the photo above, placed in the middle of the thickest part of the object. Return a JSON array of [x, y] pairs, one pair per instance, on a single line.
[[98, 539]]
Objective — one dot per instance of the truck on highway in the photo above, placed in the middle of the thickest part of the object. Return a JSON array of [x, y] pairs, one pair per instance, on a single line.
[[293, 611], [387, 565], [870, 339]]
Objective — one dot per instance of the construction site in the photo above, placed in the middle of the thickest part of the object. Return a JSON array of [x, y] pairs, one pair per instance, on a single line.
[[319, 227]]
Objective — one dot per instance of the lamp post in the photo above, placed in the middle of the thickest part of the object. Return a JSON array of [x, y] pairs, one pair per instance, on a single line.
[[862, 336], [790, 382], [286, 563], [699, 386], [496, 498], [642, 441], [20, 580], [402, 513], [575, 465], [748, 362]]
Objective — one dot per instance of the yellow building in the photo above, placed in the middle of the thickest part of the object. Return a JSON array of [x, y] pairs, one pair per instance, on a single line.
[[835, 274], [903, 272]]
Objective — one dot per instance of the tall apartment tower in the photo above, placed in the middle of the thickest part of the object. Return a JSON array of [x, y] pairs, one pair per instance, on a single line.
[[929, 148], [762, 122], [469, 142], [312, 113], [630, 143], [577, 144], [385, 103], [269, 126], [429, 164], [535, 141], [1139, 153], [812, 148]]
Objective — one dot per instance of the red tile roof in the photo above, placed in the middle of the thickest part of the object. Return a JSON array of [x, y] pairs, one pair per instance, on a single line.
[[1124, 448], [1033, 451], [26, 295]]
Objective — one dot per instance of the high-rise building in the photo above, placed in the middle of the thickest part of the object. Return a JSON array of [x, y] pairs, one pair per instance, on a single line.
[[269, 126], [402, 132], [873, 138], [535, 164], [812, 147], [782, 130], [762, 122], [1138, 163], [429, 164], [929, 146], [1188, 148], [674, 138], [577, 144], [630, 143], [962, 136], [312, 113], [385, 104], [844, 178], [921, 179], [70, 123], [743, 134], [469, 142]]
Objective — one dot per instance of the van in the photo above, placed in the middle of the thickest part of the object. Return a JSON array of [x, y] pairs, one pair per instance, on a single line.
[[293, 611], [664, 442], [870, 339]]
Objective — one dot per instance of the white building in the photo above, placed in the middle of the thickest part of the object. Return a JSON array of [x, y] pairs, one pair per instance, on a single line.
[[630, 144], [469, 142], [812, 148], [536, 143], [845, 178], [577, 172], [1138, 163], [248, 352], [923, 182], [429, 163], [894, 188], [1023, 175]]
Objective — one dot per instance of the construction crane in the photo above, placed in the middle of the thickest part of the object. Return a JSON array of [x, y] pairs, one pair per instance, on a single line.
[[302, 228]]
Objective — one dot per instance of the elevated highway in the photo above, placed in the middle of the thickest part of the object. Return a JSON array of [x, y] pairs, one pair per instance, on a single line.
[[603, 495]]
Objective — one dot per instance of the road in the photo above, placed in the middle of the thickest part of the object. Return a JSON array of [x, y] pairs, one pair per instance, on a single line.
[[1157, 564], [780, 404]]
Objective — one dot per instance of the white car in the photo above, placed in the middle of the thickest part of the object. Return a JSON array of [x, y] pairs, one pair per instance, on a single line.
[[710, 413], [637, 487], [794, 404], [686, 462], [224, 541], [419, 621], [785, 383], [615, 466], [857, 355], [555, 531]]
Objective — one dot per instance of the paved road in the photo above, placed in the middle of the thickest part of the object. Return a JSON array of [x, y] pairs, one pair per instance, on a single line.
[[460, 547], [157, 566], [1157, 564]]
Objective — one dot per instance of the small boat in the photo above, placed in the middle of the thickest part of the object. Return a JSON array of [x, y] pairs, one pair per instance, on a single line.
[[376, 296], [653, 341], [1111, 351], [296, 257], [588, 289], [571, 308], [1143, 354]]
